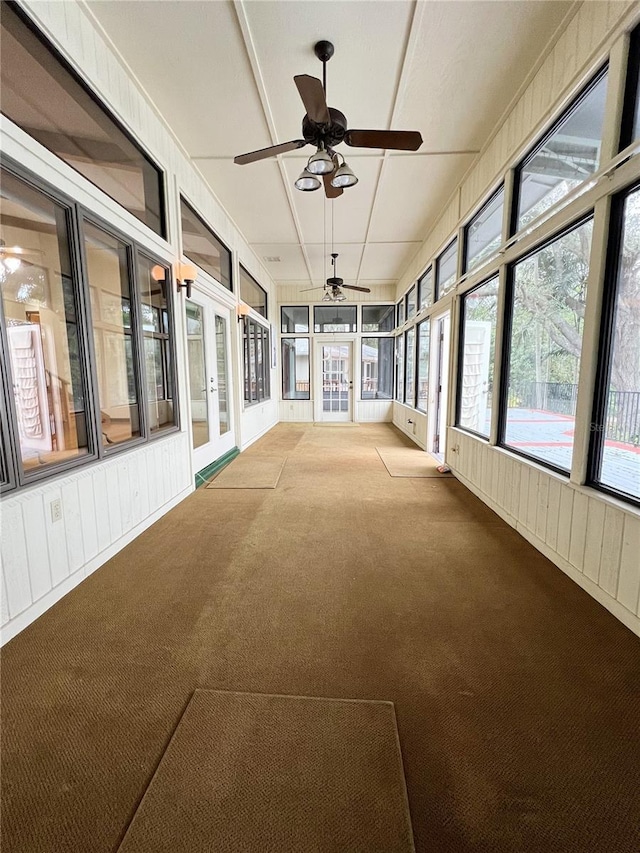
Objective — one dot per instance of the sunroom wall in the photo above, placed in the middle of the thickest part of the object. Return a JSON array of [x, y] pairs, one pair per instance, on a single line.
[[108, 503], [594, 538]]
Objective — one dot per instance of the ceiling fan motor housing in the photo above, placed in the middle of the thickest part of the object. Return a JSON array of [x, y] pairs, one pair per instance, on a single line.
[[335, 282], [330, 135]]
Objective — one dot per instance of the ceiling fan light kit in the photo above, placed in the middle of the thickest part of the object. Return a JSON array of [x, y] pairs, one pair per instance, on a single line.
[[325, 127]]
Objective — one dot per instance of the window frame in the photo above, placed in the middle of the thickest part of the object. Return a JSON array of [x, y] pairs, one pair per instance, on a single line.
[[376, 336], [505, 349], [399, 368], [243, 269], [460, 353], [420, 285], [437, 264], [182, 199], [426, 323], [411, 330], [292, 334], [354, 326], [265, 334], [605, 344], [631, 102], [412, 290], [400, 309], [465, 231], [572, 107], [294, 338], [381, 332], [69, 69]]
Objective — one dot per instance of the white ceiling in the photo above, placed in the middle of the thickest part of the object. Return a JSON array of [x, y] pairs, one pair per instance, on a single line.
[[221, 74]]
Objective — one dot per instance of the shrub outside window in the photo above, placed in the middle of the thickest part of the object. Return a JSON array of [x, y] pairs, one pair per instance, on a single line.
[[565, 158], [548, 292], [295, 369], [477, 353]]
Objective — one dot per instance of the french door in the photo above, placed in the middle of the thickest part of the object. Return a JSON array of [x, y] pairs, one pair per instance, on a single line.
[[335, 365], [212, 433]]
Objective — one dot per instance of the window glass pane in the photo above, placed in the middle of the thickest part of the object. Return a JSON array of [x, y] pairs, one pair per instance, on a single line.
[[423, 366], [620, 467], [400, 312], [425, 289], [377, 368], [475, 385], [446, 269], [546, 340], [256, 362], [46, 100], [411, 302], [400, 368], [295, 368], [631, 115], [566, 158], [41, 316], [294, 319], [252, 293], [484, 232], [201, 246], [113, 335], [223, 376], [335, 318], [157, 329], [410, 363], [197, 373], [378, 318]]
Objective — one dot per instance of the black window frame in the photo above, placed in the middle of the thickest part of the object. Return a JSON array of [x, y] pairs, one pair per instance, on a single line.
[[420, 283], [542, 141], [351, 331], [399, 369], [76, 214], [413, 289], [436, 276], [400, 311], [376, 336], [243, 270], [392, 312], [465, 231], [69, 69], [411, 330], [505, 350], [460, 354], [217, 240], [426, 323], [299, 308], [250, 323], [294, 338], [631, 103], [605, 346]]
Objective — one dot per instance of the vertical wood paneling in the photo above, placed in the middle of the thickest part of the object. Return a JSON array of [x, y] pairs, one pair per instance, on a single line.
[[4, 603], [541, 512], [629, 580], [611, 548], [124, 490], [524, 492], [102, 508], [33, 520], [565, 522], [593, 539], [72, 518], [532, 499], [15, 561], [553, 513], [113, 500], [88, 516], [578, 529]]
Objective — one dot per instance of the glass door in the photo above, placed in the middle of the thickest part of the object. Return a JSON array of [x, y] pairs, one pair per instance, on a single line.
[[336, 380], [440, 370], [208, 360]]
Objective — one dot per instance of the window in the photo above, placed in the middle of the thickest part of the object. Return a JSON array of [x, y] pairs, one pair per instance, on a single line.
[[294, 320], [565, 158], [483, 235], [295, 369], [411, 302], [631, 113], [335, 318], [256, 362], [422, 395], [252, 293], [157, 332], [446, 269], [477, 350], [46, 99], [400, 313], [616, 425], [544, 341], [400, 368], [377, 368], [114, 340], [410, 365], [378, 318], [425, 290], [201, 246], [44, 340]]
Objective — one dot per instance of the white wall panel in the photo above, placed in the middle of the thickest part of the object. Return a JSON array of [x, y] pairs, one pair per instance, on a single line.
[[595, 539]]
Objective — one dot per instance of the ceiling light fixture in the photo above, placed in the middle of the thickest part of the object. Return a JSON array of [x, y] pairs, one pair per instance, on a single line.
[[308, 182], [321, 163], [344, 176]]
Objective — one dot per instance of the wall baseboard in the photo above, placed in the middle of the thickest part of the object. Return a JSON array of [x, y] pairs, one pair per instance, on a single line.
[[22, 620]]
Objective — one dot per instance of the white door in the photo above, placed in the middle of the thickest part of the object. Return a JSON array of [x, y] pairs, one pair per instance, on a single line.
[[335, 365], [208, 355]]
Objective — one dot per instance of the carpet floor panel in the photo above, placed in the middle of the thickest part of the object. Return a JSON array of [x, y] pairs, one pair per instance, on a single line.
[[516, 694]]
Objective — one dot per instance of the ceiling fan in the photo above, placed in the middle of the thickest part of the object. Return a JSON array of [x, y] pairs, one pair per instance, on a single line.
[[325, 127], [334, 286]]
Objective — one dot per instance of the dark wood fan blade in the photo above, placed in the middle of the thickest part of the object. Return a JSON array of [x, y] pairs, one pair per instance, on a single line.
[[353, 287], [400, 140], [312, 94], [331, 192], [263, 153]]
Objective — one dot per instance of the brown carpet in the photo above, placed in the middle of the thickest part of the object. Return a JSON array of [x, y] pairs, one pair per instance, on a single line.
[[517, 695], [409, 462], [250, 472], [250, 772]]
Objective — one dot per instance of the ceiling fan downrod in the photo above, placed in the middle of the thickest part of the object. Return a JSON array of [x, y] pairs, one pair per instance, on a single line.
[[324, 51]]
